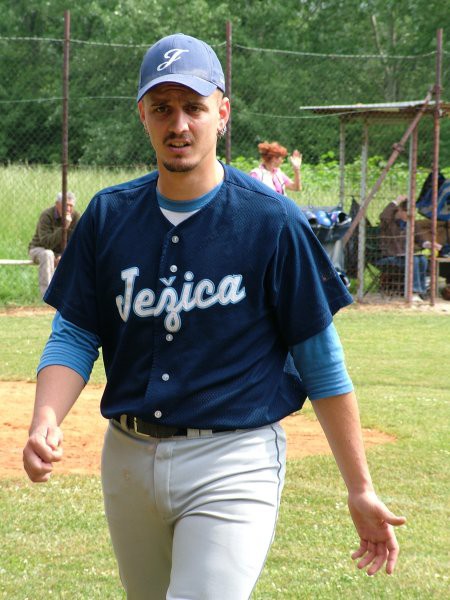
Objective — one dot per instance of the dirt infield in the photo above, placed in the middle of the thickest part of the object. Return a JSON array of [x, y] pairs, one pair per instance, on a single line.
[[84, 428]]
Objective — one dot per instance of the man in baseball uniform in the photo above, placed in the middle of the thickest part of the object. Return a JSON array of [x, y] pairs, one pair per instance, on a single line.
[[213, 303]]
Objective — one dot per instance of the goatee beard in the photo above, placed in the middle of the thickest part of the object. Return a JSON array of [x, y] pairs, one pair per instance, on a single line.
[[178, 167]]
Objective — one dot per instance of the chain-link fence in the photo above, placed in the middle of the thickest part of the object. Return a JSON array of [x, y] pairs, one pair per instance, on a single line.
[[272, 95]]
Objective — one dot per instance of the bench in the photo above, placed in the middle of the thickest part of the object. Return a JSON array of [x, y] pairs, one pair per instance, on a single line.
[[14, 261]]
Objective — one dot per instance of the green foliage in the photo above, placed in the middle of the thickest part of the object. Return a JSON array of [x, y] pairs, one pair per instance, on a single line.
[[55, 540], [394, 41], [245, 164]]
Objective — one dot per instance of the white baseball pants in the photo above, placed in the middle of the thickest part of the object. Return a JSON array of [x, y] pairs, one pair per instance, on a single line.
[[192, 518]]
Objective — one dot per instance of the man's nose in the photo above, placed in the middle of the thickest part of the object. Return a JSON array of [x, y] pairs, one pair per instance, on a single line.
[[179, 122]]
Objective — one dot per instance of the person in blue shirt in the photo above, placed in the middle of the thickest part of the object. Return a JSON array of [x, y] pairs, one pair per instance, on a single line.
[[213, 303]]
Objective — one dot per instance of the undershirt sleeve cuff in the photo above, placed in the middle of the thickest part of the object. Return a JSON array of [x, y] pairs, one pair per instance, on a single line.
[[321, 364], [70, 346]]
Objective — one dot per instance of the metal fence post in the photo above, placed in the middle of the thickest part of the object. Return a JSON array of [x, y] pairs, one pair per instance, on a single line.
[[409, 270], [341, 162], [228, 90], [437, 114], [65, 126], [362, 223]]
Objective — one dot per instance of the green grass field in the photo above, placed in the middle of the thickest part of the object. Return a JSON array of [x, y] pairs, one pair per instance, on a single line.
[[54, 536]]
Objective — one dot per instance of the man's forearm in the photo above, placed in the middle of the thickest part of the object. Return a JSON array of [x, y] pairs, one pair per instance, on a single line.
[[57, 389], [339, 419]]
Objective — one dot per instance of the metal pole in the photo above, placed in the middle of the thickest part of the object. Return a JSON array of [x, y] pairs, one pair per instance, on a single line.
[[228, 90], [362, 224], [398, 148], [65, 126], [341, 162], [437, 115], [409, 271]]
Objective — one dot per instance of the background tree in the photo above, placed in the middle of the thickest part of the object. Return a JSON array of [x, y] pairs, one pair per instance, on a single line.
[[286, 55]]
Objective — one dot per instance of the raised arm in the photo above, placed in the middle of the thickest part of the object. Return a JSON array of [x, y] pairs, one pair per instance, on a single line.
[[57, 389], [374, 522], [296, 162]]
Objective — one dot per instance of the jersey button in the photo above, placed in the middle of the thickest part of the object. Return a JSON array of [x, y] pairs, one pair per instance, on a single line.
[[169, 337], [175, 239], [158, 414], [165, 377], [174, 268]]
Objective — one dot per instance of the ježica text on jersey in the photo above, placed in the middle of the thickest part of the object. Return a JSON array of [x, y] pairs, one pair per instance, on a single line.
[[203, 294]]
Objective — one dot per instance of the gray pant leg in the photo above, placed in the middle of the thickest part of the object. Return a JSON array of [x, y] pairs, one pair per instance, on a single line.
[[193, 518], [141, 538], [46, 261]]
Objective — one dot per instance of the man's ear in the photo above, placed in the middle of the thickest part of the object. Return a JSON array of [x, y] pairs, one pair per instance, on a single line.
[[141, 111], [224, 112]]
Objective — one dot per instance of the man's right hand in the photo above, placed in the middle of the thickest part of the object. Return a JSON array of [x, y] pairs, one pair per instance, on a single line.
[[43, 448], [57, 388]]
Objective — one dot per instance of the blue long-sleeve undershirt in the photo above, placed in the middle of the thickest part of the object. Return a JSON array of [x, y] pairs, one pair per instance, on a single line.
[[319, 359], [321, 365], [70, 346]]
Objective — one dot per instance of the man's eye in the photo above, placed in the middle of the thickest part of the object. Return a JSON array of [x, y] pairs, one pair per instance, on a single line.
[[160, 109]]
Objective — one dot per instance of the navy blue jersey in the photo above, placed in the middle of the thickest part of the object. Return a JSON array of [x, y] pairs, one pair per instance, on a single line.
[[196, 320]]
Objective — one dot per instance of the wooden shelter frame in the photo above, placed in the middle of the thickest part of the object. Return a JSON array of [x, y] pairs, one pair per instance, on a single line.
[[383, 113]]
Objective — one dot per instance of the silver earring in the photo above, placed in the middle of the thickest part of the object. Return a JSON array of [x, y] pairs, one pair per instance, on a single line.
[[221, 133]]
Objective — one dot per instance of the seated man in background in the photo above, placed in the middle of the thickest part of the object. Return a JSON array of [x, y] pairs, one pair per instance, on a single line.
[[393, 222], [45, 248]]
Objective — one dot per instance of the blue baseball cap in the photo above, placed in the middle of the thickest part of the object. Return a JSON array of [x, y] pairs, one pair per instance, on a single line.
[[181, 59]]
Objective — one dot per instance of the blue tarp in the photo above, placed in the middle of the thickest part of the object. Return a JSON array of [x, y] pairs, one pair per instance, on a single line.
[[443, 202]]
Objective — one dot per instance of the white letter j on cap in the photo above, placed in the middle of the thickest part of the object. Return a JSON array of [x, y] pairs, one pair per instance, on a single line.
[[172, 55]]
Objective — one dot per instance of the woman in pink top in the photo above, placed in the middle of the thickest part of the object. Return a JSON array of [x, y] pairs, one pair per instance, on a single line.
[[269, 172]]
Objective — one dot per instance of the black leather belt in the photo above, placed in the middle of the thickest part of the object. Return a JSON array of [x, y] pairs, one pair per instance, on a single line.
[[137, 425]]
